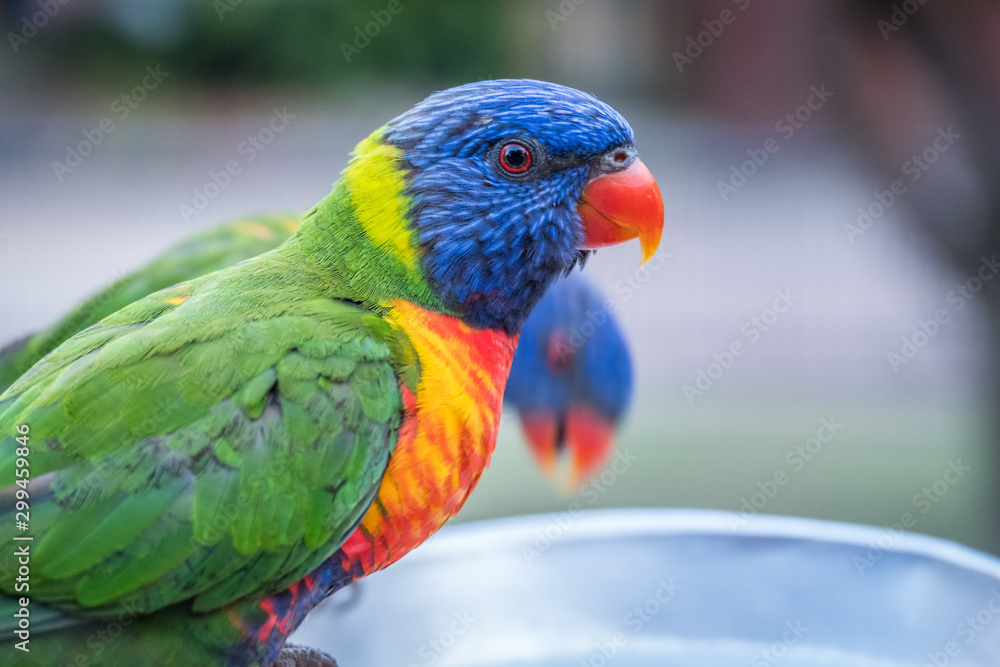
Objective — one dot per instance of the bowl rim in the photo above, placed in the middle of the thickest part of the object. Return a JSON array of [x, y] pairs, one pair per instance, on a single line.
[[615, 523]]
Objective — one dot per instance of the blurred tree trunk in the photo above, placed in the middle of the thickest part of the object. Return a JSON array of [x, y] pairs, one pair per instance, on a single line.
[[900, 69], [907, 75], [758, 68]]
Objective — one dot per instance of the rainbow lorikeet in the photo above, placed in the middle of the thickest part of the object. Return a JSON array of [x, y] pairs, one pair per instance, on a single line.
[[210, 462], [571, 379]]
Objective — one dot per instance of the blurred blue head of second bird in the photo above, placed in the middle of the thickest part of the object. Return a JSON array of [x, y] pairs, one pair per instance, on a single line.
[[571, 380]]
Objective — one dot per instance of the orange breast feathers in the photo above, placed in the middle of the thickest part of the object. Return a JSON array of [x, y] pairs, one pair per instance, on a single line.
[[446, 439]]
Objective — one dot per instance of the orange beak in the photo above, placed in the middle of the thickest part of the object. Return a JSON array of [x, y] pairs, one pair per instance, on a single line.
[[621, 206], [591, 439], [587, 440], [540, 431]]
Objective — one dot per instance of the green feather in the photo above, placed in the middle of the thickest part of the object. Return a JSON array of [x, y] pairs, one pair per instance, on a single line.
[[208, 251], [215, 440]]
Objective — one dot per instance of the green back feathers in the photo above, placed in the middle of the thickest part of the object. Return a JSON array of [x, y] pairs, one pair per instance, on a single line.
[[221, 437], [215, 440], [203, 253], [372, 244]]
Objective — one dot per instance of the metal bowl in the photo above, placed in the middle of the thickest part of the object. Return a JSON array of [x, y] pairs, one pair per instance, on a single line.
[[669, 587]]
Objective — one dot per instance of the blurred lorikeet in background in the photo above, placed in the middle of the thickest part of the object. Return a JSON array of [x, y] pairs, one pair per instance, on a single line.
[[210, 462], [570, 381]]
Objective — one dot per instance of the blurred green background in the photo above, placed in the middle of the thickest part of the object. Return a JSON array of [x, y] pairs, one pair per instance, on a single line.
[[772, 128]]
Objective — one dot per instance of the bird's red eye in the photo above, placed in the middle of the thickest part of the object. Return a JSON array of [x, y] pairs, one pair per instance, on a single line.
[[515, 158]]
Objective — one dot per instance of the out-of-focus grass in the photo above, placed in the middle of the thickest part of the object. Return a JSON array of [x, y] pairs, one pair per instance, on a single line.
[[714, 457]]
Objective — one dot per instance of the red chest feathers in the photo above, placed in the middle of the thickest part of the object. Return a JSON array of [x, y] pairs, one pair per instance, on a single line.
[[446, 439]]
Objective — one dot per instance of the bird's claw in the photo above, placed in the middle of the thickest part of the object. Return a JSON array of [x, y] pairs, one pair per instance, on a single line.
[[293, 655]]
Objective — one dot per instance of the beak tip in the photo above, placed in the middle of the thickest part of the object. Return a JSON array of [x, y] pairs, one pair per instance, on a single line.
[[621, 206], [648, 251]]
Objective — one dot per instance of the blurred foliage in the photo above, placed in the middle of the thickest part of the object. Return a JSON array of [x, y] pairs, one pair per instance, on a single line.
[[269, 42]]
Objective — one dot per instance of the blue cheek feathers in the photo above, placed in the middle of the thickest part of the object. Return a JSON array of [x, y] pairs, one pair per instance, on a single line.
[[492, 244]]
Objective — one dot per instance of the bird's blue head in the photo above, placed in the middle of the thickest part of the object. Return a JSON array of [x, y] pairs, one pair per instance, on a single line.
[[508, 184]]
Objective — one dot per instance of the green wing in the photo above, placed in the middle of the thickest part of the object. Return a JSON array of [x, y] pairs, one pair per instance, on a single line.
[[202, 253], [191, 447]]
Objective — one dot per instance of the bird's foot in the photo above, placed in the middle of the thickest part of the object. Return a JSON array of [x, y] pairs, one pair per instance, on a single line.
[[303, 656]]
